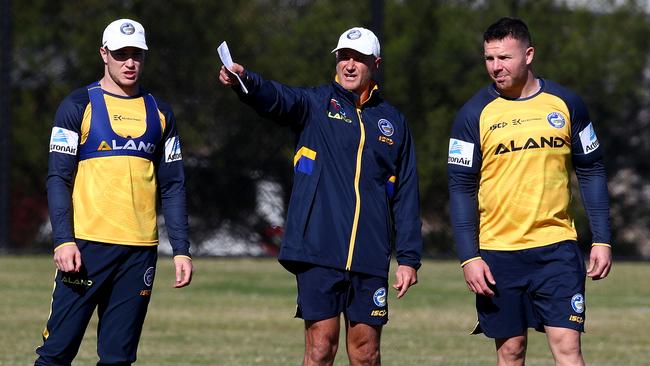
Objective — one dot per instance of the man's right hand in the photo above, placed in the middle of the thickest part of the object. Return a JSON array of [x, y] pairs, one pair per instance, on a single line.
[[477, 276], [68, 258], [229, 79]]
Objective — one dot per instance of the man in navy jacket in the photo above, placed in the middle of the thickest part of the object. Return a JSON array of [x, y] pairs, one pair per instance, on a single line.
[[354, 197]]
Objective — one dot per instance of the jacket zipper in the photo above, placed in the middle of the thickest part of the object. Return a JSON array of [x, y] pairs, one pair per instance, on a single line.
[[357, 206]]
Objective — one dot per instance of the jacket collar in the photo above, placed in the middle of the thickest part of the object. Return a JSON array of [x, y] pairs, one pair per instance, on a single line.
[[353, 97]]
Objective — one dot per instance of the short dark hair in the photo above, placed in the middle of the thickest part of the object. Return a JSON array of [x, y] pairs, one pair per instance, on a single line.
[[508, 27]]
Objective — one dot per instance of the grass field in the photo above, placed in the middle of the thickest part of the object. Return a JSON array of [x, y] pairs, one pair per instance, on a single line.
[[239, 312]]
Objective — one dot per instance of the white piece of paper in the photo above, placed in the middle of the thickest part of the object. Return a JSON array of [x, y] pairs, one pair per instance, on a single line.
[[226, 59]]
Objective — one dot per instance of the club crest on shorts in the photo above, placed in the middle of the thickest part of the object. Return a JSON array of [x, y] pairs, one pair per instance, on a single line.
[[555, 119], [386, 127], [380, 297], [578, 303], [148, 276]]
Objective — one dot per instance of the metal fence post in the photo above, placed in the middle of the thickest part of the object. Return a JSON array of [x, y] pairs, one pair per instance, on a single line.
[[5, 123]]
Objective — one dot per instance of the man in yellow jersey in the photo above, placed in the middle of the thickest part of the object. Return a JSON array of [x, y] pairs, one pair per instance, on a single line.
[[114, 148], [355, 184], [511, 150]]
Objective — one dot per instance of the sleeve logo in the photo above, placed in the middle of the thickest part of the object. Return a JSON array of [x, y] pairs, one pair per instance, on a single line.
[[173, 149], [460, 152], [588, 139], [64, 141]]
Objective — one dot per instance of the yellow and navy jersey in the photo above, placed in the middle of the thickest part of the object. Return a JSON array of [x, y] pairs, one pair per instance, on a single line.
[[355, 186], [110, 157], [509, 169]]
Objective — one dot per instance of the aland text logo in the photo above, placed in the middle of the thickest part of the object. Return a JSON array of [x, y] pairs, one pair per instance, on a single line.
[[147, 147], [338, 113]]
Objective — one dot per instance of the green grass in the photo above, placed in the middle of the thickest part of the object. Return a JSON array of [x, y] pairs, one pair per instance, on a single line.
[[240, 312]]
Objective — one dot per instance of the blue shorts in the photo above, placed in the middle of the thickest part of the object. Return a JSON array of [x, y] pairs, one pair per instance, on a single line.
[[534, 288], [325, 293]]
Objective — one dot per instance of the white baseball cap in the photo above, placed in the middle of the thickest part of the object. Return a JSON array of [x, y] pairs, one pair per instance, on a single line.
[[124, 33], [359, 39]]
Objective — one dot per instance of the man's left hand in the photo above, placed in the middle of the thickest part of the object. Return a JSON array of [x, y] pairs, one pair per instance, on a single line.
[[406, 277], [184, 270], [600, 262]]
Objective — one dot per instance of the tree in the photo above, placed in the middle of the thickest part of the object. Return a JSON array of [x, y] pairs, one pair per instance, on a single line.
[[432, 63]]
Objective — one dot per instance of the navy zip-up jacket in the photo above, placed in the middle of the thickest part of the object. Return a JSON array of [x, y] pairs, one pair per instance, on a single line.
[[355, 189]]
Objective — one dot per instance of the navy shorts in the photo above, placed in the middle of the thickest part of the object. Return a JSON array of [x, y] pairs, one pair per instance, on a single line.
[[325, 293], [534, 287]]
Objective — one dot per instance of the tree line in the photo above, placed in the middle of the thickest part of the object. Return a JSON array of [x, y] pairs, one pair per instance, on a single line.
[[432, 63]]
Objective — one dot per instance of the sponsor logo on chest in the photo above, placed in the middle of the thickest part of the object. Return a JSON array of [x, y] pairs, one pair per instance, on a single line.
[[531, 143], [336, 111], [535, 133], [119, 117], [129, 145]]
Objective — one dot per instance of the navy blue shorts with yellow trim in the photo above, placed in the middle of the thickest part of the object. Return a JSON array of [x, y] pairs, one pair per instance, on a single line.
[[535, 287], [325, 293]]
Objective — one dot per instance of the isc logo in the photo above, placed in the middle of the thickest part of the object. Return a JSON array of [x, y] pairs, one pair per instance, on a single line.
[[378, 313], [498, 125], [386, 140], [577, 319]]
